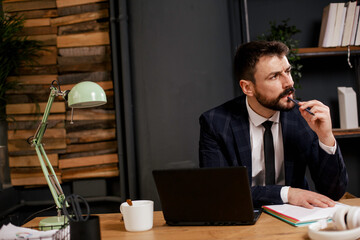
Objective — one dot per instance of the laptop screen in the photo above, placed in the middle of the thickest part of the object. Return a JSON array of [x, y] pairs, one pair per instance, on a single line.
[[205, 196]]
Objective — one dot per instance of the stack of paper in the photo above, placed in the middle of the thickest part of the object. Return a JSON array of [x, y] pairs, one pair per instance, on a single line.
[[300, 216], [10, 231]]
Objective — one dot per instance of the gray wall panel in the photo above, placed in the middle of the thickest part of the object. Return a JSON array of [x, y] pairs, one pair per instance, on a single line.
[[181, 58]]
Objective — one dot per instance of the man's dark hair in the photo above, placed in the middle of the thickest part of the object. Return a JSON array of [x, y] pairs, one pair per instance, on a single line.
[[248, 54]]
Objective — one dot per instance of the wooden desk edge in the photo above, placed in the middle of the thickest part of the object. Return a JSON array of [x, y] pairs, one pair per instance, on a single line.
[[267, 227]]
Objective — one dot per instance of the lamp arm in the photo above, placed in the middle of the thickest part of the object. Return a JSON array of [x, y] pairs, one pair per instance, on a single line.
[[51, 178], [43, 124], [45, 164]]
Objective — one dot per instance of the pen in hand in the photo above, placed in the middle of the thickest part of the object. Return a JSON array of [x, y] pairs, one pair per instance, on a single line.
[[297, 103]]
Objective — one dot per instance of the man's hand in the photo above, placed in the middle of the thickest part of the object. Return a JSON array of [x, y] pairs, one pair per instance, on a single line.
[[320, 122], [308, 199]]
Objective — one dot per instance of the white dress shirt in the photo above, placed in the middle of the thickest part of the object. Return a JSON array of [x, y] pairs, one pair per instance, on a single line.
[[257, 150]]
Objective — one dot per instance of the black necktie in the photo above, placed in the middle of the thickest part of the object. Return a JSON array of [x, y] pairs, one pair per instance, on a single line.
[[269, 154]]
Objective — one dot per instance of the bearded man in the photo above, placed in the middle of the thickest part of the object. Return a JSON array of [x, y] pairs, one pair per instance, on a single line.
[[299, 135]]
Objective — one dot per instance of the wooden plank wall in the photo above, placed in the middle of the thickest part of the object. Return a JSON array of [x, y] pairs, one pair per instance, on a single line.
[[76, 36]]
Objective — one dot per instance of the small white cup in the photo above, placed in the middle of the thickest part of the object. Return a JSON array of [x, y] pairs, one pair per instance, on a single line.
[[139, 216]]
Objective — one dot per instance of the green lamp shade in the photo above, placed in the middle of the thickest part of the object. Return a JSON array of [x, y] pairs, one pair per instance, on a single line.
[[86, 94]]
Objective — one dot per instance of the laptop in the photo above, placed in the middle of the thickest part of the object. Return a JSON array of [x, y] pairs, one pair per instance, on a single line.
[[206, 196]]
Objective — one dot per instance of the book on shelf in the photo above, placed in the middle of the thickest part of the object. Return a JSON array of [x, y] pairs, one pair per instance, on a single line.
[[339, 25], [327, 25], [355, 26], [300, 216], [349, 22], [357, 33]]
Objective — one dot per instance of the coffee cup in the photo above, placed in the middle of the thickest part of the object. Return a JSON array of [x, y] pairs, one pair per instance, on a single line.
[[139, 216]]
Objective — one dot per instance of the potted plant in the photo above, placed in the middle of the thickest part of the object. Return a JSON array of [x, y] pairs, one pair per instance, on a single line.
[[284, 33], [15, 51]]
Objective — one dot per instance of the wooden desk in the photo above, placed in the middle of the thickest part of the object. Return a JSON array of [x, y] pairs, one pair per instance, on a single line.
[[266, 228]]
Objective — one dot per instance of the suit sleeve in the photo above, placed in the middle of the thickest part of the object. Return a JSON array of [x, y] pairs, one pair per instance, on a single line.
[[210, 153], [329, 174], [266, 195]]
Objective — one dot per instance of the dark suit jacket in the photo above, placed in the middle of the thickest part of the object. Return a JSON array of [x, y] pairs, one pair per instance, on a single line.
[[225, 141]]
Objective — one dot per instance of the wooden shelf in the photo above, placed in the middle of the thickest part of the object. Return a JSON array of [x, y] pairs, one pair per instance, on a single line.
[[346, 133], [334, 51]]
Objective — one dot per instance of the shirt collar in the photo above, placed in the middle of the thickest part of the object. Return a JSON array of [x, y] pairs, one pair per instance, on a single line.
[[257, 120]]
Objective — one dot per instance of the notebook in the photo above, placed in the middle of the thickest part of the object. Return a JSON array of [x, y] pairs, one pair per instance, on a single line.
[[206, 196], [300, 216]]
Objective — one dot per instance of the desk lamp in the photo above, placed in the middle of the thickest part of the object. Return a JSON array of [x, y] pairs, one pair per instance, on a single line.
[[82, 95]]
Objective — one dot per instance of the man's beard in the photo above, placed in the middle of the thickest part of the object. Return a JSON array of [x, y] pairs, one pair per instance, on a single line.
[[274, 104]]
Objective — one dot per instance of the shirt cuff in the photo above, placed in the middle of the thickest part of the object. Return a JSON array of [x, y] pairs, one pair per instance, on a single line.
[[284, 194], [327, 149]]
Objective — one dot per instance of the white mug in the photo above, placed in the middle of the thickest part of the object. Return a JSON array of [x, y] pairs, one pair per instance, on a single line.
[[139, 216]]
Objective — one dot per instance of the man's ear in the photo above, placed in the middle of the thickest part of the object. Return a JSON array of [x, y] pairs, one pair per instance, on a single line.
[[247, 87]]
